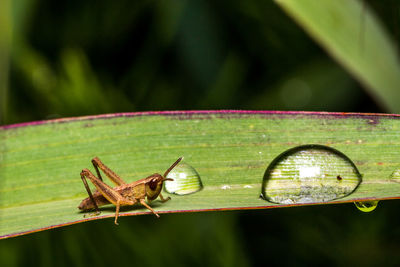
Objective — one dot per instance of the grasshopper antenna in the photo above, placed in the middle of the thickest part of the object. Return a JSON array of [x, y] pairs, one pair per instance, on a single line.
[[172, 166]]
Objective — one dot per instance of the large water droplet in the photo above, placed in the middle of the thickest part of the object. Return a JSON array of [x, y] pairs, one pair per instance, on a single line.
[[186, 180], [366, 206], [309, 173]]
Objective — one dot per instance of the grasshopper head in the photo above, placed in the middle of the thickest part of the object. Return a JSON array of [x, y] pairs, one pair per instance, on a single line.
[[154, 182], [154, 185]]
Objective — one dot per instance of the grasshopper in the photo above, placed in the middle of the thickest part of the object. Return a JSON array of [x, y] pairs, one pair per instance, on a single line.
[[124, 194]]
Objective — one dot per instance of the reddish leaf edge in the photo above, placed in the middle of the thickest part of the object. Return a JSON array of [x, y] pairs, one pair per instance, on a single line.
[[16, 234], [372, 116]]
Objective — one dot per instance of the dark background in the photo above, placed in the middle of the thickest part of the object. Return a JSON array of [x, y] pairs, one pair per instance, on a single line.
[[72, 58]]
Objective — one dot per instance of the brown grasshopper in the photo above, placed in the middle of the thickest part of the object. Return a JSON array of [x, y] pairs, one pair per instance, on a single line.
[[124, 194]]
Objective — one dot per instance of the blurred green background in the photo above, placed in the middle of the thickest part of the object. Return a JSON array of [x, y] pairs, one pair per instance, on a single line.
[[72, 58]]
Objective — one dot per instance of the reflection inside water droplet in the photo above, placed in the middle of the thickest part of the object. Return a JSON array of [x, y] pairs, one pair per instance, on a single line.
[[309, 173], [186, 180], [366, 206]]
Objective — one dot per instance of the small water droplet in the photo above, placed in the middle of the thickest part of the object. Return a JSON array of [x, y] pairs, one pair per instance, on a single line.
[[247, 186], [366, 206], [186, 180], [224, 187], [309, 173], [395, 177]]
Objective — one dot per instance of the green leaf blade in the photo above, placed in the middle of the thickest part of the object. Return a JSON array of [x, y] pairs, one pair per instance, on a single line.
[[40, 186], [351, 33]]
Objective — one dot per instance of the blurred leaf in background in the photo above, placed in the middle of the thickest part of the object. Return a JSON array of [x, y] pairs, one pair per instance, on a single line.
[[5, 40], [331, 24], [71, 58]]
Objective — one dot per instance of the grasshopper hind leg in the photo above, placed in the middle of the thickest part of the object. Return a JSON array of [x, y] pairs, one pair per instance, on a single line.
[[109, 193], [97, 212]]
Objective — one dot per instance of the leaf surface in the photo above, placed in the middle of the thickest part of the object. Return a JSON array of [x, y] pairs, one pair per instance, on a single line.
[[40, 162]]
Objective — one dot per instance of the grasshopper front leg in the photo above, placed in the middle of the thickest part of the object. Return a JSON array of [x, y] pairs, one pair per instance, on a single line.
[[164, 199], [109, 193]]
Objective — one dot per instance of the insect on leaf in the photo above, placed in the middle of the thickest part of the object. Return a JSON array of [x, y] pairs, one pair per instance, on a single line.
[[41, 188]]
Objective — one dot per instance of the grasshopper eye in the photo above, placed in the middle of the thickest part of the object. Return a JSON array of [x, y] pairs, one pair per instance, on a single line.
[[153, 184]]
